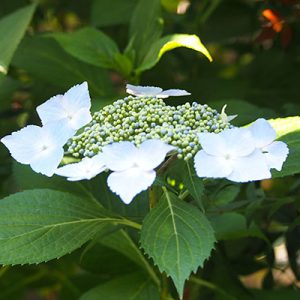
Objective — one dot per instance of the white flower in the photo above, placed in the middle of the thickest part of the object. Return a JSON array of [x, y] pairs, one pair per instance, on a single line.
[[264, 135], [73, 107], [133, 168], [85, 169], [152, 91], [230, 154], [39, 147]]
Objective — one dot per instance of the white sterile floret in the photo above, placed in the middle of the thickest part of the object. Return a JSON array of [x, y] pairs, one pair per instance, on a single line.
[[39, 147], [152, 91], [230, 154], [133, 168], [264, 135], [73, 107], [85, 169]]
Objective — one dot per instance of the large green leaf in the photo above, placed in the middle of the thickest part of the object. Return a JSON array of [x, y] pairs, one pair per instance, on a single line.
[[39, 225], [178, 237], [12, 29], [47, 61], [135, 286], [288, 131], [168, 43], [108, 12], [89, 45], [145, 28]]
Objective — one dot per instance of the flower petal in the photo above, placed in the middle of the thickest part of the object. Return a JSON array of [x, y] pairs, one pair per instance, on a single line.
[[56, 133], [239, 141], [120, 156], [81, 118], [127, 184], [85, 169], [212, 143], [51, 110], [152, 153], [172, 92], [76, 98], [23, 145], [250, 168], [211, 166], [263, 133], [276, 155], [47, 161], [142, 90]]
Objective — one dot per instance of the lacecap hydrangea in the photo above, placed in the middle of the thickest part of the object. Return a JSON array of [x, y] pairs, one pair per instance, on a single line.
[[133, 136]]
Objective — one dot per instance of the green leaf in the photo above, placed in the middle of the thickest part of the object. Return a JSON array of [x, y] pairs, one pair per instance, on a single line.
[[12, 29], [106, 261], [145, 28], [47, 61], [288, 131], [178, 237], [134, 286], [108, 13], [39, 225], [234, 226], [194, 184], [168, 43], [89, 45], [121, 241]]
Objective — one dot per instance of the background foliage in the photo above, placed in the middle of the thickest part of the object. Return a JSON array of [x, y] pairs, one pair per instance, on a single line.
[[47, 47]]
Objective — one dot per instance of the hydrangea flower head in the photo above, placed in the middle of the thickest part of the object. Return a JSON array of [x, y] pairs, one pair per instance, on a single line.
[[133, 167], [39, 147], [73, 107], [137, 119], [152, 91]]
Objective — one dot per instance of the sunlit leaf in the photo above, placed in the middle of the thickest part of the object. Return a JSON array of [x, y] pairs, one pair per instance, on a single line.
[[288, 131], [168, 43]]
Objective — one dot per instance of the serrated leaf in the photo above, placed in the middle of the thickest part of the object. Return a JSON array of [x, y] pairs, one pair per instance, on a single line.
[[178, 237], [134, 286], [12, 30], [89, 45], [288, 131], [168, 43], [39, 225]]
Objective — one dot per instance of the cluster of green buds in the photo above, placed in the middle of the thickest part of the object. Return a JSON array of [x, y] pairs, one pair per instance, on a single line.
[[138, 119]]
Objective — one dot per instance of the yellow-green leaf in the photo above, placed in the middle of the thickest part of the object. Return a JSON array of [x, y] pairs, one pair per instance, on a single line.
[[168, 43]]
